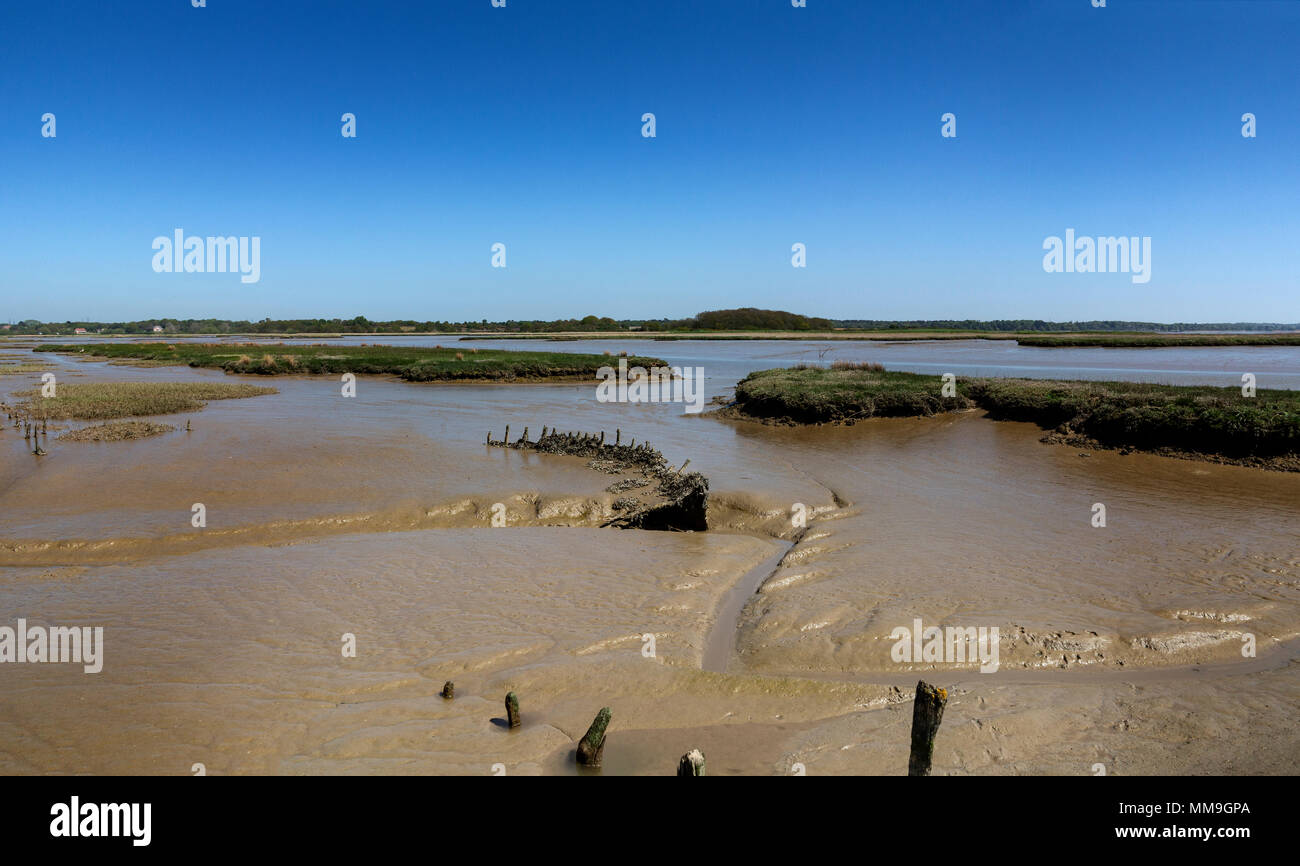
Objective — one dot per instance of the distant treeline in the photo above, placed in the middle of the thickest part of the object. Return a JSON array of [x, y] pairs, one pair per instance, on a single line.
[[744, 319], [748, 319]]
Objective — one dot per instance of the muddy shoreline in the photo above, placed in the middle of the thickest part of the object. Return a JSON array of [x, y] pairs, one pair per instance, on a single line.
[[1287, 463], [1234, 426]]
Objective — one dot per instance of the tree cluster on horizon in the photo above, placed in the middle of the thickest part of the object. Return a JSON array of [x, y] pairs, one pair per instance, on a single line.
[[743, 319]]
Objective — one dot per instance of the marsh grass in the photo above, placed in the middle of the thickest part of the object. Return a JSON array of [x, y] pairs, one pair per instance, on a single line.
[[811, 394], [1191, 418], [415, 364], [117, 431], [132, 362], [1154, 341], [858, 365], [23, 367], [1199, 419], [102, 401]]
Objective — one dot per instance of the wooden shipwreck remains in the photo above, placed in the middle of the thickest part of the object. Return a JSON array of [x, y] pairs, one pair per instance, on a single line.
[[679, 500]]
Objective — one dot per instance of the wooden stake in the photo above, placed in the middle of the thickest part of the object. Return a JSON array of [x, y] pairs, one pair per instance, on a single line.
[[449, 690], [512, 709], [591, 751], [691, 764], [927, 713]]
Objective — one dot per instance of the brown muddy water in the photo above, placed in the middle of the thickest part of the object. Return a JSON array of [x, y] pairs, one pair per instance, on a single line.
[[765, 643]]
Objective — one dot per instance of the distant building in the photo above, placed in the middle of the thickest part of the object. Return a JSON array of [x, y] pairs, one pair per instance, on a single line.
[[79, 331], [157, 329]]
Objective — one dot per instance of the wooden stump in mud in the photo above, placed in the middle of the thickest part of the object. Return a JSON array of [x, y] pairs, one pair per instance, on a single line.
[[591, 751], [512, 709], [449, 690], [927, 713], [691, 764]]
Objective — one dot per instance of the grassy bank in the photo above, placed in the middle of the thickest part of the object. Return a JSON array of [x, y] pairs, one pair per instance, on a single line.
[[415, 364], [1198, 419], [1155, 341], [1100, 339], [102, 401], [1186, 420], [842, 393]]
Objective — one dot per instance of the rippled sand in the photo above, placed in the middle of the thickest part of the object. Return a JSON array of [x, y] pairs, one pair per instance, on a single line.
[[1121, 645]]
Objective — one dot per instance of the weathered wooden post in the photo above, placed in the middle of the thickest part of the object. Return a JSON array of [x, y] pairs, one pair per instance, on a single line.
[[525, 437], [691, 764], [618, 434], [449, 690], [507, 439], [591, 751], [512, 710], [927, 713]]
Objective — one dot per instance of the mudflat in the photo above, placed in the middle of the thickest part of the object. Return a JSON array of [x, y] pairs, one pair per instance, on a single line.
[[373, 516]]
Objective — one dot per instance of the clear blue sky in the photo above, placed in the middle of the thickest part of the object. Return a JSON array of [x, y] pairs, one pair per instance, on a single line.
[[776, 125]]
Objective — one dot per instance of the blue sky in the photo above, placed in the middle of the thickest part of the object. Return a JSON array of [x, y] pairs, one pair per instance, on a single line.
[[775, 125]]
